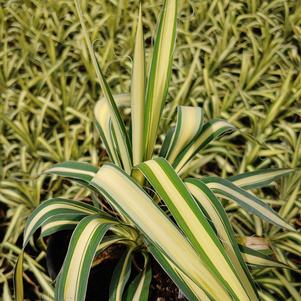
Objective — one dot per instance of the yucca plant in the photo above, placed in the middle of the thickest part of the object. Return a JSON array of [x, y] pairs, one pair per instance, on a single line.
[[159, 213]]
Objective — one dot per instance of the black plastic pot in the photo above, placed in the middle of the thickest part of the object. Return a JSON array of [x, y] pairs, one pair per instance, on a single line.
[[100, 275], [161, 289]]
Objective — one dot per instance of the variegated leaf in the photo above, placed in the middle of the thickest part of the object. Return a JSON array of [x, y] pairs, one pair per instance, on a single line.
[[210, 131], [138, 289], [76, 171], [160, 70], [189, 124], [104, 125], [194, 224], [118, 124], [215, 211], [138, 94], [73, 279], [120, 276], [51, 208], [226, 189], [157, 228], [259, 178]]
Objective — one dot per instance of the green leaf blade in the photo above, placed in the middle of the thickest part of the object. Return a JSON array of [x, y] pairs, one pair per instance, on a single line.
[[259, 178], [120, 276], [189, 124], [103, 118], [193, 223], [119, 127], [226, 189], [138, 94], [51, 208], [259, 260], [214, 209], [211, 130], [73, 279], [160, 71], [76, 171], [138, 289]]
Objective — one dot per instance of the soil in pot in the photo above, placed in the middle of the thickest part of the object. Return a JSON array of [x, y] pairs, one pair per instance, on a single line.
[[161, 289]]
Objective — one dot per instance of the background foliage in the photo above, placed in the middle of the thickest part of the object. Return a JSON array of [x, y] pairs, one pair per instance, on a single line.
[[239, 60]]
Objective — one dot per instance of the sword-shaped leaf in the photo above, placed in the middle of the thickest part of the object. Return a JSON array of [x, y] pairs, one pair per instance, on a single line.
[[158, 230], [18, 278], [138, 94], [167, 141], [193, 223], [120, 276], [50, 213], [190, 289], [76, 171], [59, 222], [73, 278], [160, 71], [214, 209], [104, 125], [226, 189], [260, 260], [189, 124], [124, 146], [138, 289], [210, 131], [259, 178], [79, 172], [54, 207]]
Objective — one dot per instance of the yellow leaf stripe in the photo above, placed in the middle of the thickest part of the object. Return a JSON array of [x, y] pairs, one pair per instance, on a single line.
[[189, 124], [138, 94], [104, 119], [159, 76], [226, 189]]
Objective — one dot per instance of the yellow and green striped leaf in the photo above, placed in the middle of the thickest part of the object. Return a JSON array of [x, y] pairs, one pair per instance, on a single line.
[[113, 239], [73, 279], [190, 289], [18, 278], [120, 276], [104, 125], [59, 222], [166, 143], [159, 75], [158, 230], [259, 178], [55, 214], [138, 94], [123, 141], [138, 289], [76, 171], [54, 207], [258, 259], [79, 172], [215, 211], [210, 131], [193, 223], [189, 124], [225, 189]]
